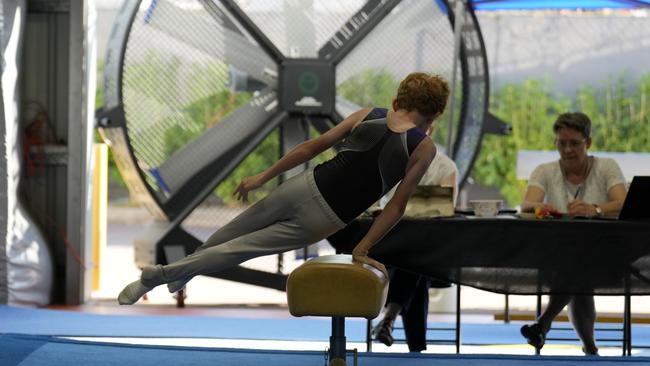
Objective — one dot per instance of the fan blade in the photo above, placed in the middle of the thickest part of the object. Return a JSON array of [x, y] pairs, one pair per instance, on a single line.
[[217, 141], [321, 124], [355, 29], [214, 34], [293, 131], [191, 194]]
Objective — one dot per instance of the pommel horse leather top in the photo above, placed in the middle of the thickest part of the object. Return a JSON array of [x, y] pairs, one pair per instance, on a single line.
[[333, 285]]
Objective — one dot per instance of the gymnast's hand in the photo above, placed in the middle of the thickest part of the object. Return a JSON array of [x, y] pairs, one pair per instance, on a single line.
[[363, 258], [246, 185]]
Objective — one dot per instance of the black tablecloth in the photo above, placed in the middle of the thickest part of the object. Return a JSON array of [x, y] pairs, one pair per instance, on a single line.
[[517, 256]]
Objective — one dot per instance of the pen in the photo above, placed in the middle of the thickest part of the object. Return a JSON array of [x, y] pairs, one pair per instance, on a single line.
[[575, 196]]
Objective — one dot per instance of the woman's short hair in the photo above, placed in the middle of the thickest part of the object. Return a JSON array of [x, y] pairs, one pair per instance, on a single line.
[[574, 120], [422, 92]]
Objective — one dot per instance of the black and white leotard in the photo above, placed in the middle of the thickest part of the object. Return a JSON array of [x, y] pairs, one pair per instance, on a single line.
[[371, 160]]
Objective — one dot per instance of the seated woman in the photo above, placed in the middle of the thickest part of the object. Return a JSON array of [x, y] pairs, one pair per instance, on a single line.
[[408, 293], [578, 185]]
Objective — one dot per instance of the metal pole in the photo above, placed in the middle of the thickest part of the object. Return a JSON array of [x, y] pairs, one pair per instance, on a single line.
[[506, 312], [458, 24], [337, 339]]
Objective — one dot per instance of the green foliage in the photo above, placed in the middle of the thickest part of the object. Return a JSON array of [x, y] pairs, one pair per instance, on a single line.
[[620, 116], [99, 92], [264, 155], [199, 116], [441, 124], [205, 113], [155, 77], [114, 177], [620, 122], [370, 88], [174, 85]]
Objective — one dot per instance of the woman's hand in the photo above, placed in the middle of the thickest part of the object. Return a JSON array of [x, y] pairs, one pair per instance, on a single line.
[[362, 257], [548, 207], [581, 208], [248, 184]]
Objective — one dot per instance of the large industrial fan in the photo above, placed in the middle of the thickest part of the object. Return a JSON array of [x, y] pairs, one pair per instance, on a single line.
[[193, 88]]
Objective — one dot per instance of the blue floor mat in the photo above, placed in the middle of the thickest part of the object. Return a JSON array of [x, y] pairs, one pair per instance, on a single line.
[[46, 351], [20, 320]]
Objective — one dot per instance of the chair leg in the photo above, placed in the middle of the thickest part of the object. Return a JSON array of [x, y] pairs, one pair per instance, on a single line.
[[627, 327], [538, 312], [337, 341], [457, 319], [506, 310]]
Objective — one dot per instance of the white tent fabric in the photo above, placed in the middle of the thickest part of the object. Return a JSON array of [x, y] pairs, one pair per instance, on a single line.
[[26, 269], [3, 172], [3, 177]]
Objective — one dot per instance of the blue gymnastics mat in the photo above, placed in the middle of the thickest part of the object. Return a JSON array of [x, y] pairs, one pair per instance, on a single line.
[[25, 350], [19, 320]]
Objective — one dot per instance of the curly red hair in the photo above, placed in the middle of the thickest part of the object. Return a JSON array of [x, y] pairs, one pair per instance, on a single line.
[[422, 92]]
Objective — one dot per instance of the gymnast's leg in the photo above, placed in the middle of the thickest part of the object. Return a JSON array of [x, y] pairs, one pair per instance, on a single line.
[[256, 217], [275, 238], [305, 219]]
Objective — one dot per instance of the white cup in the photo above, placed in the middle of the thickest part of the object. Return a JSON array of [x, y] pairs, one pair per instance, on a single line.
[[486, 208]]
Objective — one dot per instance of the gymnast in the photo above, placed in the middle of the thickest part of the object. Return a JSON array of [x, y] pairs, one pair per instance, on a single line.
[[375, 154]]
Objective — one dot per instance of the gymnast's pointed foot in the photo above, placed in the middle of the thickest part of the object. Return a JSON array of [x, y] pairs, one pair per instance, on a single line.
[[132, 293], [152, 276], [177, 285]]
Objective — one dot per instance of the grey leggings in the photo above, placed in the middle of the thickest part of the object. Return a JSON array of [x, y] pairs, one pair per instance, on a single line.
[[292, 216]]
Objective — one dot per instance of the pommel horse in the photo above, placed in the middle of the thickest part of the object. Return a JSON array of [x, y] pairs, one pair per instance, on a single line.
[[334, 286]]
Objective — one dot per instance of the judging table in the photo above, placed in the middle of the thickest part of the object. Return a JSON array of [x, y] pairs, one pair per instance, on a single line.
[[511, 255]]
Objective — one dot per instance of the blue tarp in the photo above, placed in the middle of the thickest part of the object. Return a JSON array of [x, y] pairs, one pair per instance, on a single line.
[[557, 4]]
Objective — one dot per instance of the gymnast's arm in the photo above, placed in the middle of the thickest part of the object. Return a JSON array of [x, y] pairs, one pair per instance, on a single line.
[[301, 153], [417, 166]]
